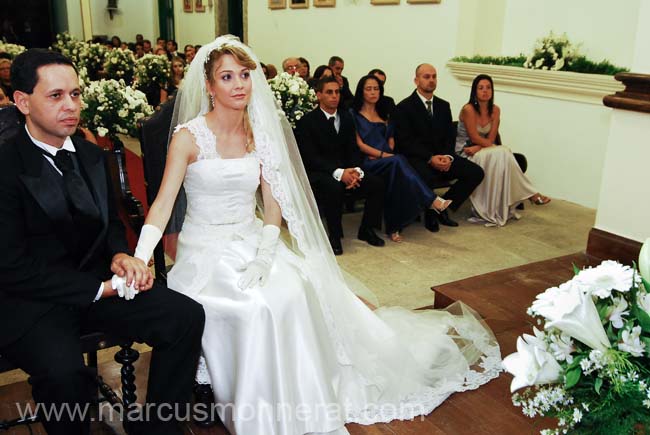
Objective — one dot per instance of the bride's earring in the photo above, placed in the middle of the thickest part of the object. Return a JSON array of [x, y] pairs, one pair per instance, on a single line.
[[212, 100]]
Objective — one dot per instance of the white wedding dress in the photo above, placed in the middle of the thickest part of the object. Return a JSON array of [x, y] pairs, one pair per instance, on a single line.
[[273, 355]]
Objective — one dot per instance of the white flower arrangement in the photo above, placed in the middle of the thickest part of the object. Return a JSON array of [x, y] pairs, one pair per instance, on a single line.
[[88, 56], [110, 107], [12, 50], [590, 367], [551, 53], [119, 65], [152, 69], [293, 95]]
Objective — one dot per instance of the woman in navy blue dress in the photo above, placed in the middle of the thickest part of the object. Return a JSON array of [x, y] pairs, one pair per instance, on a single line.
[[406, 194]]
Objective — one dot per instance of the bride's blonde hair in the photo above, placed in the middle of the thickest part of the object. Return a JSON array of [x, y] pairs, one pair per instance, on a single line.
[[243, 59]]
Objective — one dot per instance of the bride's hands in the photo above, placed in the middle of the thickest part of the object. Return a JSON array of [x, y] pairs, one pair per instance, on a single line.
[[257, 271]]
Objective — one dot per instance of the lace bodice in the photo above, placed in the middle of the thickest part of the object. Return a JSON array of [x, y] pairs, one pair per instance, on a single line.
[[219, 191]]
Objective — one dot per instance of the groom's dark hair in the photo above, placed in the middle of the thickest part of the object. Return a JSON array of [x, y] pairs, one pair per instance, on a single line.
[[24, 68]]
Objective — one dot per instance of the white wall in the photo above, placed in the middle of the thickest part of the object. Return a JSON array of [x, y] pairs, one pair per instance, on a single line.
[[194, 27], [135, 16], [393, 38], [564, 143], [606, 28], [624, 206]]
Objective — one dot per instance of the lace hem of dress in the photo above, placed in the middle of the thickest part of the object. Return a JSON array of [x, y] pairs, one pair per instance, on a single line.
[[203, 137], [423, 403], [202, 376]]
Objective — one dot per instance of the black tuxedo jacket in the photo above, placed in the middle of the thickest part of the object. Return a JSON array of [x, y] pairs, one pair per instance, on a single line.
[[417, 136], [38, 266], [323, 149]]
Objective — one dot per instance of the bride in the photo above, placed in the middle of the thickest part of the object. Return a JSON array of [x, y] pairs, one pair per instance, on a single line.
[[287, 347]]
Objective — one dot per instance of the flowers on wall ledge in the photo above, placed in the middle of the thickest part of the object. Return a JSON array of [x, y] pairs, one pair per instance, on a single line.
[[554, 53]]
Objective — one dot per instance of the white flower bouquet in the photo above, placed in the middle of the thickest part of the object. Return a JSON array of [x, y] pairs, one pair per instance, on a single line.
[[152, 69], [69, 46], [293, 95], [551, 53], [590, 366], [12, 50], [119, 64], [93, 57], [110, 107], [88, 56]]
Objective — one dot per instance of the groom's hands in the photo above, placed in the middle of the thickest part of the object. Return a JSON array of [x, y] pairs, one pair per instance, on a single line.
[[134, 270]]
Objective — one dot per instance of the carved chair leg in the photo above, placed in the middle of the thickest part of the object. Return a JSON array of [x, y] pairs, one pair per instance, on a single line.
[[126, 357], [203, 411]]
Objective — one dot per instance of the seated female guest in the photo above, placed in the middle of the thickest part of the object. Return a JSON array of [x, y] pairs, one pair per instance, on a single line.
[[176, 77], [505, 185], [321, 72], [406, 194]]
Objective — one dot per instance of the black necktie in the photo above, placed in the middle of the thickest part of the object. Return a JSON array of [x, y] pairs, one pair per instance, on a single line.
[[430, 108], [76, 190], [332, 120]]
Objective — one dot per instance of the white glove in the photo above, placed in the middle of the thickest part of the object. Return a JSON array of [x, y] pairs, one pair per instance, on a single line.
[[123, 291], [257, 271], [149, 238]]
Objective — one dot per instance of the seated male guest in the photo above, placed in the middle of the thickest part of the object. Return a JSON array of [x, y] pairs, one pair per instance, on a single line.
[[425, 134], [64, 241], [327, 142], [337, 65]]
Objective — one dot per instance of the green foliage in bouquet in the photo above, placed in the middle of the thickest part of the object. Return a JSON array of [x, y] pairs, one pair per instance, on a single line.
[[110, 107], [119, 65], [493, 60], [293, 95], [590, 366]]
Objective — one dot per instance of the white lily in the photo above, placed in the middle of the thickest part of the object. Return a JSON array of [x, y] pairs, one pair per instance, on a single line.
[[631, 342], [572, 311], [644, 261], [531, 365], [616, 311]]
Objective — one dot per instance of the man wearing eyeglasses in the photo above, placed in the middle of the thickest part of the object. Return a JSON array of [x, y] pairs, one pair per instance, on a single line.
[[290, 65]]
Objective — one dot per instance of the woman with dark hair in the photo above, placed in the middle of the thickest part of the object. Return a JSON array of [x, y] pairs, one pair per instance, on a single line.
[[495, 200], [406, 194], [116, 42], [321, 72]]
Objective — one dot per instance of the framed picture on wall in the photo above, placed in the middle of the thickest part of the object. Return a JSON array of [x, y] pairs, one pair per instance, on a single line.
[[187, 6], [416, 2], [199, 6], [384, 2], [277, 4], [298, 4], [324, 3]]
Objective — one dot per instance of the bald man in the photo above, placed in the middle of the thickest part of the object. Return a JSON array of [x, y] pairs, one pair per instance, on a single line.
[[426, 135]]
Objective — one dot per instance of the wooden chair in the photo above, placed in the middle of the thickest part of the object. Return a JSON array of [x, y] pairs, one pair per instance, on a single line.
[[132, 214]]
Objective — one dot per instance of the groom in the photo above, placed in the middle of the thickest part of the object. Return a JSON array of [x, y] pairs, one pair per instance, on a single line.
[[62, 243]]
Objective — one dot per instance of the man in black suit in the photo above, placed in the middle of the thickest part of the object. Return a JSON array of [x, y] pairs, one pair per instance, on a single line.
[[336, 64], [425, 134], [328, 146], [63, 242]]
